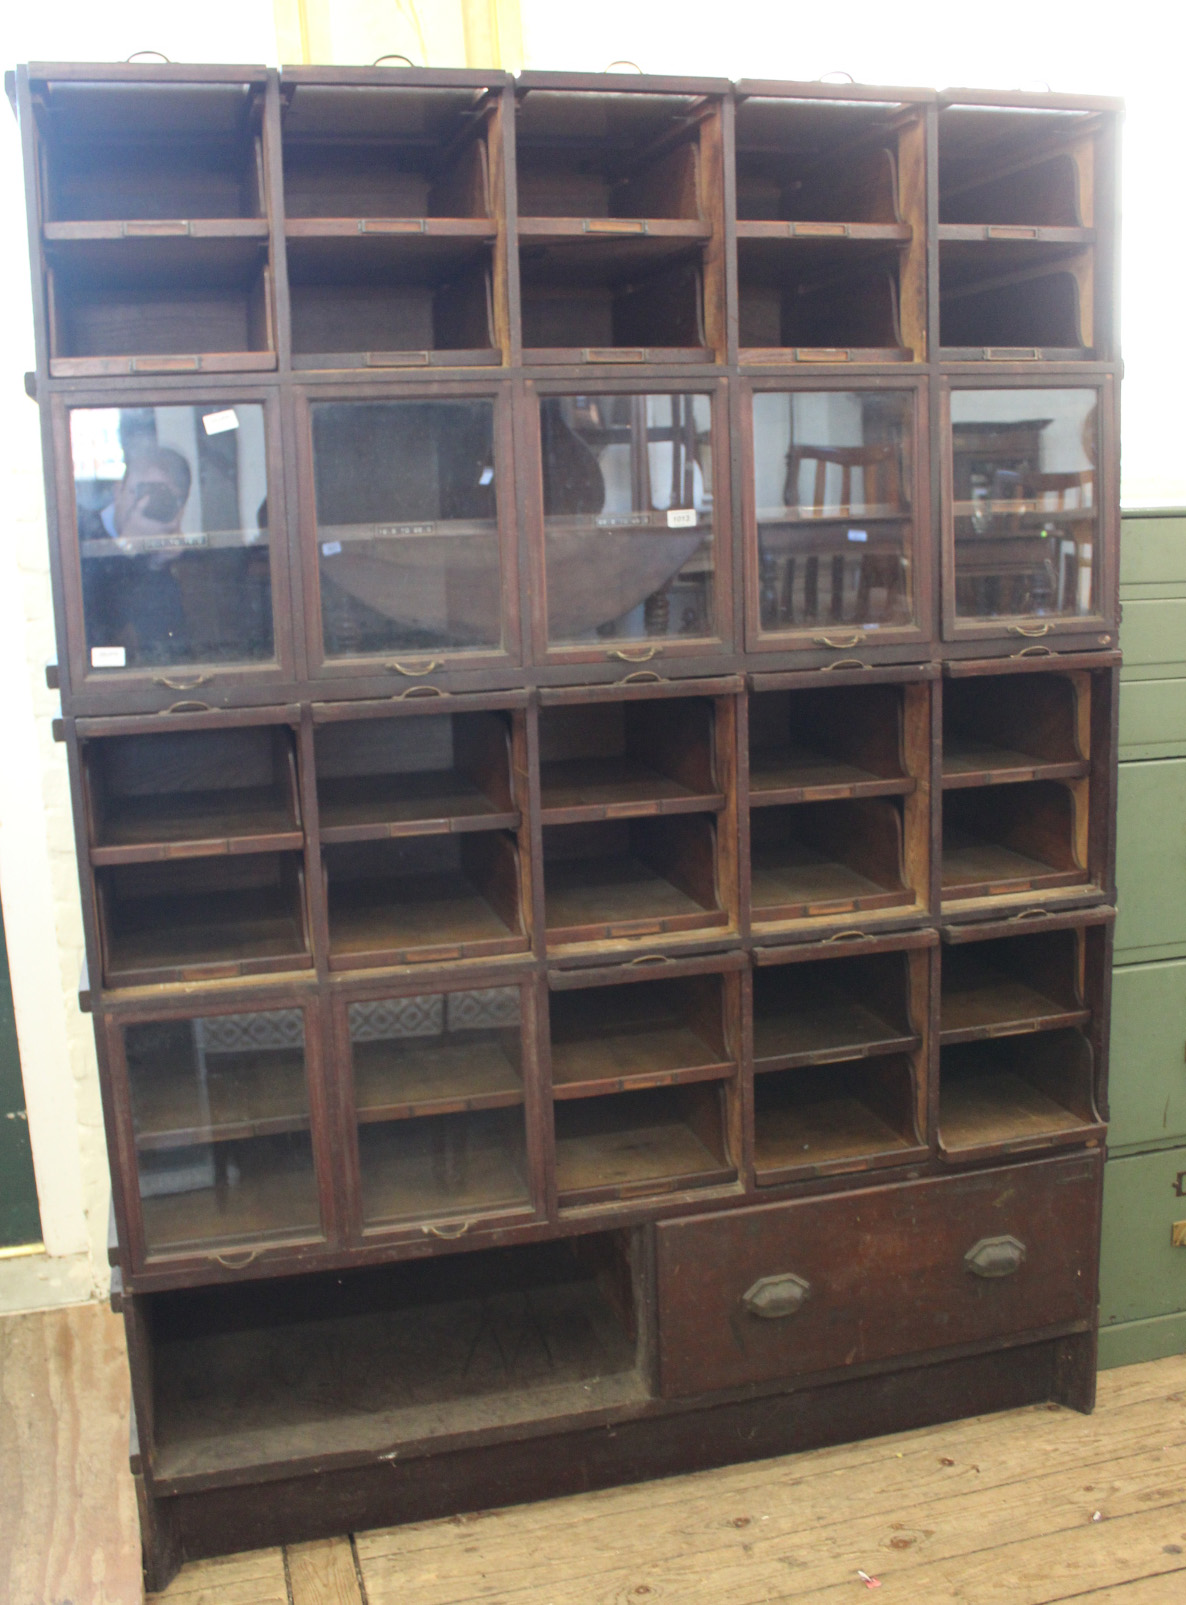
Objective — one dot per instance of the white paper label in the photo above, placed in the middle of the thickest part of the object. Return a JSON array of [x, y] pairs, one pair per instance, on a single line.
[[217, 423], [109, 657], [330, 548], [858, 534], [486, 476], [681, 518]]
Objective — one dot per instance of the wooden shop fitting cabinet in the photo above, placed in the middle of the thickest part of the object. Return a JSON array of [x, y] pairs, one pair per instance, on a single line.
[[219, 1109], [173, 559], [155, 237], [840, 1049], [1022, 1034], [620, 219], [831, 225], [1027, 782], [395, 217], [839, 789], [628, 511], [408, 542], [1030, 517], [439, 1087], [835, 499], [1026, 196]]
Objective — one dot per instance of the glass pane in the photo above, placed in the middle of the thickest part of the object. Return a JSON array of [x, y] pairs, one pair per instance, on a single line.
[[1024, 488], [438, 1093], [220, 1111], [628, 516], [407, 526], [172, 507], [834, 492]]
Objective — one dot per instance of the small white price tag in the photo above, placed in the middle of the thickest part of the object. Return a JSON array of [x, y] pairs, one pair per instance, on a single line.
[[109, 657], [486, 476], [858, 534], [217, 423], [330, 548], [681, 518]]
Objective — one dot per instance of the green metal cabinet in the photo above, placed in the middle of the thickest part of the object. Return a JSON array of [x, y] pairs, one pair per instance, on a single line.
[[1151, 861], [1147, 1061], [1153, 637], [1142, 1275]]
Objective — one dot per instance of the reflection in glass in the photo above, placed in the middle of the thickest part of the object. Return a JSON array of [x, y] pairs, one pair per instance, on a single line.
[[220, 1113], [438, 1091], [1025, 503], [628, 516], [172, 506], [407, 526], [834, 493]]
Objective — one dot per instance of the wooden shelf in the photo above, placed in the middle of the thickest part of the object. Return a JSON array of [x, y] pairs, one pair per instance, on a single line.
[[433, 1077], [820, 1122], [443, 1166], [1018, 1093], [999, 1108], [643, 1034], [632, 1144], [631, 877], [197, 825], [827, 1012], [248, 1095], [1011, 985], [583, 789], [973, 867], [1024, 836], [968, 762], [829, 857], [271, 1195], [606, 760], [799, 775], [370, 807]]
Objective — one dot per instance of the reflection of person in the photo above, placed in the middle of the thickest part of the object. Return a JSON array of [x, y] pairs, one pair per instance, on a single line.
[[130, 593]]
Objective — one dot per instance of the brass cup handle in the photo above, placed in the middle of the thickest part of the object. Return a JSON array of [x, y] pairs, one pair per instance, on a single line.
[[181, 685], [404, 668], [452, 1230], [994, 1257], [853, 638], [644, 656], [1026, 630], [774, 1298], [237, 1262]]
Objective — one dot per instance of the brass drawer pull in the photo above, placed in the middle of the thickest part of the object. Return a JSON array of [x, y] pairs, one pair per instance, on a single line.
[[454, 1229], [840, 641], [773, 1298], [643, 656], [1035, 630], [408, 669], [993, 1257], [181, 685]]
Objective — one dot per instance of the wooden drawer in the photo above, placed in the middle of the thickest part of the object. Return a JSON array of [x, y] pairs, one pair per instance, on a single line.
[[863, 1277]]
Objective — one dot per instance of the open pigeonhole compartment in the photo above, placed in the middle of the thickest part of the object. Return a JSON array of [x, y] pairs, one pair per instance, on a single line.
[[840, 1033]]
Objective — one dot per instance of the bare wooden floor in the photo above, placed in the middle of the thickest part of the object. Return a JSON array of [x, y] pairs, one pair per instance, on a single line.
[[1027, 1508]]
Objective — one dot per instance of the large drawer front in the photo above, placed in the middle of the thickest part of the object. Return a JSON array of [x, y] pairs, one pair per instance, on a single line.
[[856, 1278]]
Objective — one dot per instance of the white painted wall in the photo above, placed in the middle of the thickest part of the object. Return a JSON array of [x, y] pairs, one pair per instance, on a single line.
[[1099, 47]]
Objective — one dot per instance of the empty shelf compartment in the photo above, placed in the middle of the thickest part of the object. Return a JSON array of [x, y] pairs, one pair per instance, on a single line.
[[592, 158], [152, 151], [398, 1353], [436, 1053], [827, 858], [631, 877], [1010, 985], [1023, 1092], [1030, 836], [847, 742], [368, 152], [414, 775], [1011, 727], [191, 794], [830, 162], [602, 760], [640, 1034], [819, 294], [442, 1166], [256, 1190], [1016, 167], [160, 305], [829, 1010], [1027, 295], [629, 1144], [817, 1122], [433, 897], [587, 301], [202, 917], [390, 301]]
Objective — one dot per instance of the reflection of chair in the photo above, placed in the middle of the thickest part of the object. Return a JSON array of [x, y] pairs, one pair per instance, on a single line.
[[853, 577], [1016, 567]]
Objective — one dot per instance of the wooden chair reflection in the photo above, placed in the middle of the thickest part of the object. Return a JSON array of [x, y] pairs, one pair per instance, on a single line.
[[1019, 567], [865, 584]]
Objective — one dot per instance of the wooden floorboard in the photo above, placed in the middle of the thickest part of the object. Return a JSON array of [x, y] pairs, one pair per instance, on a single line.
[[1038, 1506]]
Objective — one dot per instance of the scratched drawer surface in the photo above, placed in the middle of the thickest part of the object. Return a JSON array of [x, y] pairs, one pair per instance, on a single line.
[[856, 1278]]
